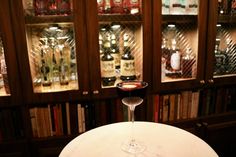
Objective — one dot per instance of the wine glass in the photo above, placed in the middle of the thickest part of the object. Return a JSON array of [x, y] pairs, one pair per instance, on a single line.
[[132, 94]]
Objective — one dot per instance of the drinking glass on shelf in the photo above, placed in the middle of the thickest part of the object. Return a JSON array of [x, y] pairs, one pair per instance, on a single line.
[[132, 94]]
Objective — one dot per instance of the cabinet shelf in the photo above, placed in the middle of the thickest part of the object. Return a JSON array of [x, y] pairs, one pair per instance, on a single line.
[[120, 18], [226, 19], [180, 18], [47, 19]]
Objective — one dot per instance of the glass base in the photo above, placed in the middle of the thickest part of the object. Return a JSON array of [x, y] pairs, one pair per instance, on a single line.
[[133, 146]]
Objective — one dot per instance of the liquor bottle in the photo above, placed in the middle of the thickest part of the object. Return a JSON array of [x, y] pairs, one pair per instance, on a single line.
[[117, 6], [174, 69], [63, 68], [107, 7], [221, 60], [40, 7], [188, 61], [64, 7], [45, 69], [165, 7], [192, 7], [233, 6], [165, 60], [108, 72], [131, 6], [52, 7], [175, 7], [54, 62], [100, 6], [127, 64], [115, 52]]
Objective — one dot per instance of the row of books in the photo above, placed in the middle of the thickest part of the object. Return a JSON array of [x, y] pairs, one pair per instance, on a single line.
[[193, 104], [11, 124], [171, 107], [58, 119], [217, 100]]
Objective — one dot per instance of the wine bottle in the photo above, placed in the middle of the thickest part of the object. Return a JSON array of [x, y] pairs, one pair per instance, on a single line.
[[127, 70], [117, 6], [115, 52], [107, 7], [40, 7], [100, 6], [108, 73], [220, 60], [64, 7], [165, 57], [188, 61], [131, 6], [52, 7]]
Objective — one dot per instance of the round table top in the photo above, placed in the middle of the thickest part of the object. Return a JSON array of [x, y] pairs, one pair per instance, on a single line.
[[161, 140]]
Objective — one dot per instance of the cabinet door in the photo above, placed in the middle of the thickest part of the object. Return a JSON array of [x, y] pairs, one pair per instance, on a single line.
[[51, 45], [119, 43], [221, 48], [9, 75], [179, 43]]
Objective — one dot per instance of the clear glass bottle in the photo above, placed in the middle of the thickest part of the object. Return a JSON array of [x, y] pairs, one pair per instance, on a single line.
[[174, 69], [54, 61], [64, 74], [108, 72], [45, 68], [127, 70]]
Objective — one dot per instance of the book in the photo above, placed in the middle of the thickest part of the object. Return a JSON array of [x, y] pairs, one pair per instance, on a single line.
[[80, 120], [68, 118]]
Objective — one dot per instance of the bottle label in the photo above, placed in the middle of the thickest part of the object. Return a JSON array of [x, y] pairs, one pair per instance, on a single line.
[[127, 68], [175, 61], [108, 68], [116, 57]]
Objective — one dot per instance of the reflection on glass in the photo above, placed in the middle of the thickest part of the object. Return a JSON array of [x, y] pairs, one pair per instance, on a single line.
[[225, 50], [178, 54], [52, 57], [4, 85]]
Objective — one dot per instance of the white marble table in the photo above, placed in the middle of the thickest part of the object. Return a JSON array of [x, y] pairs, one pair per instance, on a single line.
[[161, 141]]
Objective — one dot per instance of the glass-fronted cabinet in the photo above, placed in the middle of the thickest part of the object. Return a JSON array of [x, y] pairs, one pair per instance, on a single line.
[[53, 48], [4, 85], [222, 29], [10, 94], [179, 30], [122, 41]]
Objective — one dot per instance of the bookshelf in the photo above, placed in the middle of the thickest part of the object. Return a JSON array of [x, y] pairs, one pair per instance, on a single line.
[[203, 104]]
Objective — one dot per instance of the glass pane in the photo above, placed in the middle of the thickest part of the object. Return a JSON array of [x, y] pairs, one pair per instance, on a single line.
[[52, 57], [225, 44], [120, 41], [4, 85], [179, 40], [47, 7]]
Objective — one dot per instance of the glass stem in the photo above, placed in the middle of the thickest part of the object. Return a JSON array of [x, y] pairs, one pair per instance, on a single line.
[[132, 108]]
